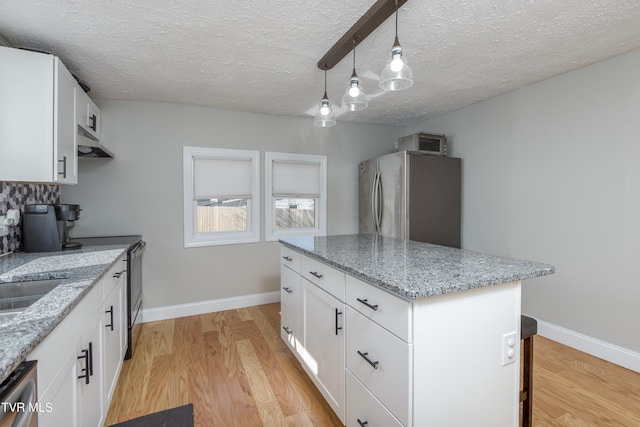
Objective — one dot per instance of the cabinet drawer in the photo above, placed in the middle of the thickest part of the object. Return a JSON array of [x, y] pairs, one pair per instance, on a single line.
[[392, 313], [381, 361], [290, 258], [291, 330], [117, 272], [327, 278], [364, 409], [290, 290]]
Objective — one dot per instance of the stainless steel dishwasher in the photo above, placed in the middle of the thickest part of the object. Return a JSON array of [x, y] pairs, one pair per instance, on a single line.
[[19, 397]]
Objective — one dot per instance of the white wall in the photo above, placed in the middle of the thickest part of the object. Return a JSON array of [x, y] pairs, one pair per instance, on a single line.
[[552, 173], [140, 190]]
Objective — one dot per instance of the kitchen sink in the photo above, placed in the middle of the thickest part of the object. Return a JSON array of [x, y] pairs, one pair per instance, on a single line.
[[16, 296]]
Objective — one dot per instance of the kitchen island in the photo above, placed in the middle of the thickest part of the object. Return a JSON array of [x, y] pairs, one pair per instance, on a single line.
[[402, 333]]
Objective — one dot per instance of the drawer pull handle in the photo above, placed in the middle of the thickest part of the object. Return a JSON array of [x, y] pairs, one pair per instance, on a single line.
[[315, 273], [286, 258], [364, 301], [287, 330], [64, 167], [110, 311], [337, 314], [364, 356], [118, 274], [287, 290], [362, 423], [85, 370]]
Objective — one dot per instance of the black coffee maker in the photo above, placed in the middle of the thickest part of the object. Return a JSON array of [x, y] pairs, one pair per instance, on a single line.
[[46, 227]]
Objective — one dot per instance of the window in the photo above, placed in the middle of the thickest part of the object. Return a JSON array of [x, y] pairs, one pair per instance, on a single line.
[[296, 195], [221, 196]]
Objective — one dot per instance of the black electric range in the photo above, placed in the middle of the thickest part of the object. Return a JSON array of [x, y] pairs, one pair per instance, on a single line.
[[134, 280]]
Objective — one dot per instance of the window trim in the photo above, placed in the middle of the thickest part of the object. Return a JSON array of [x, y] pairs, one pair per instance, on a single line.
[[191, 237], [270, 232]]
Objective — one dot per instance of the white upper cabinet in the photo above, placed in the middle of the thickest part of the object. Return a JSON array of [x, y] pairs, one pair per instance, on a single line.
[[88, 115], [38, 131]]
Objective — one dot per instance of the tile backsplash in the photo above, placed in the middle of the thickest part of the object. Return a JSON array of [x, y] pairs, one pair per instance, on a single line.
[[15, 196]]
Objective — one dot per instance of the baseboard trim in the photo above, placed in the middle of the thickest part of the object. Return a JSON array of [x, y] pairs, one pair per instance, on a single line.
[[192, 309], [609, 352]]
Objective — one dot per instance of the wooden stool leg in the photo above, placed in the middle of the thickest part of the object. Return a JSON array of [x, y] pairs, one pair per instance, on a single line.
[[526, 395]]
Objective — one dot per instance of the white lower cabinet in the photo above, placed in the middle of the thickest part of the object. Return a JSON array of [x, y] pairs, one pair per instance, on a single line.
[[363, 409], [381, 361], [59, 401], [291, 331], [79, 361], [114, 337], [90, 403], [324, 344]]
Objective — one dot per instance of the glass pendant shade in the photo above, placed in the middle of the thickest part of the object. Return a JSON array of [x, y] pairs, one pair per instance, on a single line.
[[397, 75], [355, 99], [325, 117]]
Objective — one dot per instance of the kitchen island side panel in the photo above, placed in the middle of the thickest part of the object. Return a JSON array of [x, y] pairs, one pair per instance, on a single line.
[[459, 376]]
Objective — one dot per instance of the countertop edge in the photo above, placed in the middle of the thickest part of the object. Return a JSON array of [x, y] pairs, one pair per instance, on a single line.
[[412, 296]]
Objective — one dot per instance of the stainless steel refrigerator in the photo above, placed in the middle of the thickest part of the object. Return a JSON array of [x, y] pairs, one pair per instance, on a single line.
[[413, 196]]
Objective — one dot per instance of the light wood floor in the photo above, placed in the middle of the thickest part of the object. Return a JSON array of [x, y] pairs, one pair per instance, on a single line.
[[236, 371]]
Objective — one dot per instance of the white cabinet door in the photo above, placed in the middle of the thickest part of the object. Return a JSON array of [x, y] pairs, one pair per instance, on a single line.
[[37, 118], [90, 373], [88, 114], [324, 344], [65, 133], [113, 337], [59, 401]]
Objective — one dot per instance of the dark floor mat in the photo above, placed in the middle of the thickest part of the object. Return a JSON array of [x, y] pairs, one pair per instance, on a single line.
[[182, 416]]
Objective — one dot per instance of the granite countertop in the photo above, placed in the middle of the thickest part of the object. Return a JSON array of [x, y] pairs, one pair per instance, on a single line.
[[413, 270], [80, 269]]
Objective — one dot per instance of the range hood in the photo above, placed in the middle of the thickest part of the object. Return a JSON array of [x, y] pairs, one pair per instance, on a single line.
[[88, 147]]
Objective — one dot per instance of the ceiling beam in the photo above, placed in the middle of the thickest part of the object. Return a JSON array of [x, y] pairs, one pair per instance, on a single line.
[[379, 12]]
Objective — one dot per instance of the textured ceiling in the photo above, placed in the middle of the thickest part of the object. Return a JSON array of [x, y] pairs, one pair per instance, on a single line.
[[260, 56]]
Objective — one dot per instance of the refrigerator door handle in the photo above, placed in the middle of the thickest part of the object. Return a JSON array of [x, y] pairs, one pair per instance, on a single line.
[[378, 202], [374, 210]]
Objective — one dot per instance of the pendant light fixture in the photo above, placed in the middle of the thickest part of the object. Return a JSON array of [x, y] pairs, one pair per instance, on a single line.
[[354, 99], [397, 75], [325, 117]]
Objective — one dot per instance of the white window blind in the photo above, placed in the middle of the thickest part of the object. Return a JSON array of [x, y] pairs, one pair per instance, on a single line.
[[222, 178], [296, 179]]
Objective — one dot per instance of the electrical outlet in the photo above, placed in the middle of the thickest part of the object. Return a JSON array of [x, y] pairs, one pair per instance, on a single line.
[[4, 229], [509, 352]]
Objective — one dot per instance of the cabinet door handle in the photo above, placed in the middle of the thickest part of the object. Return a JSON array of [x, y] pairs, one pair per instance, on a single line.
[[364, 301], [315, 273], [369, 361], [91, 358], [85, 370], [337, 314], [286, 258], [110, 311], [64, 167], [287, 330], [93, 120], [118, 274], [362, 423], [287, 290]]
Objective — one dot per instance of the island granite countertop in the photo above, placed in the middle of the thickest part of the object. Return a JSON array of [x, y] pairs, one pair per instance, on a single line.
[[80, 270], [413, 270]]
